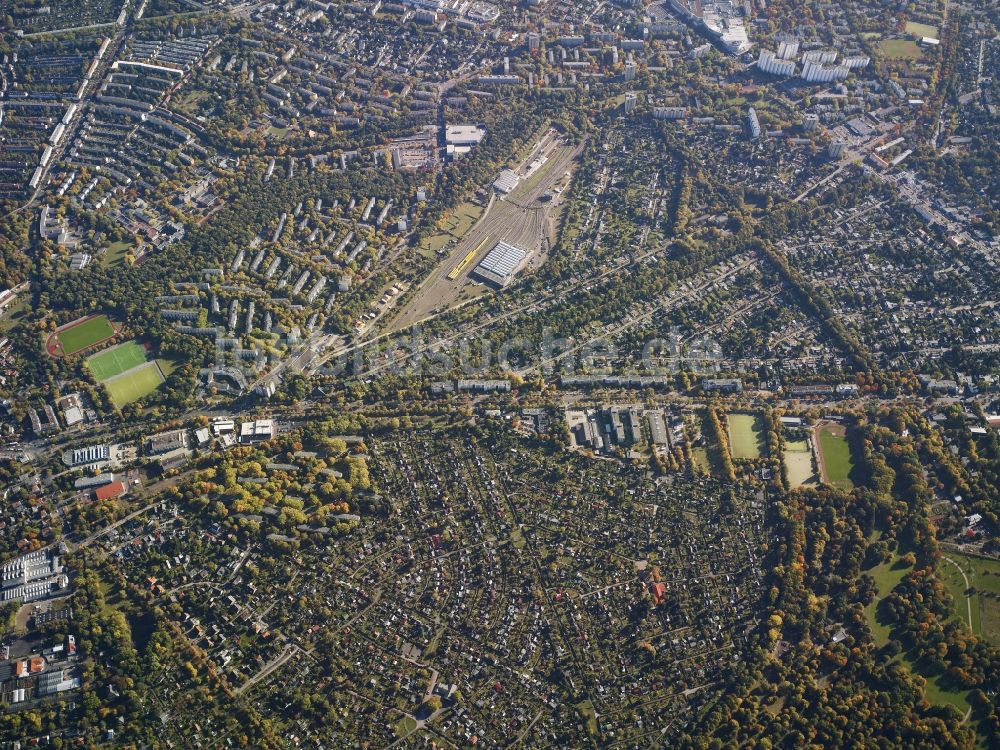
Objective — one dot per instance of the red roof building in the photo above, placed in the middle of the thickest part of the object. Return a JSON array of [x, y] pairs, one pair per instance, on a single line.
[[658, 590], [109, 491]]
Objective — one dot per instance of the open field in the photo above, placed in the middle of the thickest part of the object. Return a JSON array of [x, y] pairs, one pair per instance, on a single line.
[[939, 695], [701, 462], [116, 360], [115, 254], [132, 385], [900, 49], [887, 576], [921, 29], [984, 578], [799, 462], [835, 462], [15, 312], [746, 435], [79, 335], [589, 715], [452, 226]]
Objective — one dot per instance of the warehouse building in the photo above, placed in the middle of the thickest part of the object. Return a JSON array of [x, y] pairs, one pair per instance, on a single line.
[[501, 264]]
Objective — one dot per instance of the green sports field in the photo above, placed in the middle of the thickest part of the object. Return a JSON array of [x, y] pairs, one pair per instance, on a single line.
[[921, 29], [836, 456], [134, 384], [746, 435], [116, 360], [900, 49], [86, 334]]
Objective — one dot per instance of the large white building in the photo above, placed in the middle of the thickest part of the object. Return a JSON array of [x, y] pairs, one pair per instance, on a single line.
[[33, 576], [258, 431], [92, 454], [721, 21], [753, 124], [816, 72], [788, 48], [769, 63], [501, 264], [669, 113]]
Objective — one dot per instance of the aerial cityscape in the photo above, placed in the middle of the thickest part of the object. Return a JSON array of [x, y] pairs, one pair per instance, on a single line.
[[506, 374]]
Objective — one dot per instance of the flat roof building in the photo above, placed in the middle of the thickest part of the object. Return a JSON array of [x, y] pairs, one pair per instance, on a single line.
[[165, 442], [723, 385], [500, 264], [257, 431], [463, 135], [506, 182], [110, 491], [90, 455]]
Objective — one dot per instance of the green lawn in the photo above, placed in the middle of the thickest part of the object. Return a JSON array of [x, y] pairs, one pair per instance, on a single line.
[[116, 360], [951, 576], [465, 216], [836, 457], [921, 29], [799, 462], [887, 576], [116, 252], [454, 225], [984, 578], [939, 696], [701, 462], [15, 312], [587, 712], [134, 384], [900, 49], [404, 726], [746, 435], [86, 334]]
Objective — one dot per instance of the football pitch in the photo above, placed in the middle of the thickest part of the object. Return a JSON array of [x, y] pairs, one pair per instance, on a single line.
[[134, 384], [116, 360], [746, 436], [78, 337]]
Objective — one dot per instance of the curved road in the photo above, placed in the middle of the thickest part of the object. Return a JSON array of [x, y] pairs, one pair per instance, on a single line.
[[968, 597]]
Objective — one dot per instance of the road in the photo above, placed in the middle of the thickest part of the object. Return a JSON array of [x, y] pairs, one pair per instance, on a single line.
[[96, 80], [670, 303], [968, 596], [108, 529]]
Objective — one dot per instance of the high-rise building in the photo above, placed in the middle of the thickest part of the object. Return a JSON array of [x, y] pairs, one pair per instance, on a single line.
[[630, 69], [669, 113], [768, 63], [788, 48], [753, 124], [630, 101], [817, 72]]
